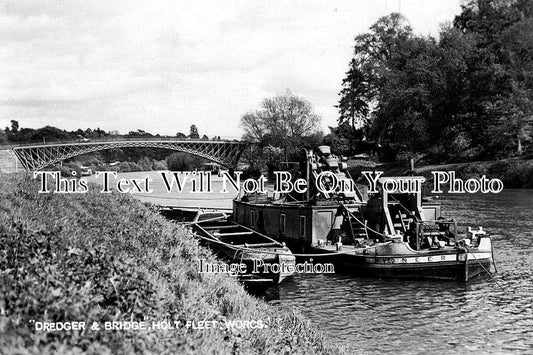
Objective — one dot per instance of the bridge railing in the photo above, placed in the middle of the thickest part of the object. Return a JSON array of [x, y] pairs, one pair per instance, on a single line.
[[115, 139]]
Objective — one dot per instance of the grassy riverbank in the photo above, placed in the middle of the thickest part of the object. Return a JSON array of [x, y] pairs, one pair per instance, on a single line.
[[96, 257]]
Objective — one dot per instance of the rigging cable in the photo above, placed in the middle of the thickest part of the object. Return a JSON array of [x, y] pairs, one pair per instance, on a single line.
[[484, 268]]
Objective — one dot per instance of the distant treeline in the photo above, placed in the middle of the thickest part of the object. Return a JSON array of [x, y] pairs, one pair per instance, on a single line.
[[125, 159], [465, 95], [16, 134]]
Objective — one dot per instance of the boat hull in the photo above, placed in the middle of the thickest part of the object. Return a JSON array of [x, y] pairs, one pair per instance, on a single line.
[[440, 267], [252, 260], [235, 244], [319, 226]]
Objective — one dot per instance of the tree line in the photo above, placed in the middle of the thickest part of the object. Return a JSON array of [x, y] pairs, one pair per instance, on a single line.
[[131, 159], [462, 96], [17, 134], [465, 95]]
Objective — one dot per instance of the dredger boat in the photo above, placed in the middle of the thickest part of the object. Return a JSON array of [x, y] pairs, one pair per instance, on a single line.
[[388, 233]]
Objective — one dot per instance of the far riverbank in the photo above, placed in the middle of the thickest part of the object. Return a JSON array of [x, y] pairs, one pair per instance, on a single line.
[[515, 173]]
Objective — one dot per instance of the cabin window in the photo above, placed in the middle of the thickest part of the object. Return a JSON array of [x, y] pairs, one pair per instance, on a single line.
[[302, 226], [260, 220], [252, 218], [282, 221]]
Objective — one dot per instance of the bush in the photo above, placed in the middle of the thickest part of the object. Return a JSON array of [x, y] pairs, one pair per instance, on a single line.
[[145, 164], [159, 165], [127, 166], [66, 169], [183, 162], [519, 174]]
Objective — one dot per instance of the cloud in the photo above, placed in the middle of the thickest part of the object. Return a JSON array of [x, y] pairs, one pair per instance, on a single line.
[[162, 66]]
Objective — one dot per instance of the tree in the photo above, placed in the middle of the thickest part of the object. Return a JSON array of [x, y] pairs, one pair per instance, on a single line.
[[518, 43], [3, 137], [342, 138], [282, 117], [376, 53], [14, 126], [194, 132], [183, 162], [50, 133], [387, 88], [501, 72], [356, 97], [467, 95], [137, 133], [284, 121], [180, 135]]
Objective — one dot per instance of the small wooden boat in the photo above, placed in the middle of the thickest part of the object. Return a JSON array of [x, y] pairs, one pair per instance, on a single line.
[[266, 259]]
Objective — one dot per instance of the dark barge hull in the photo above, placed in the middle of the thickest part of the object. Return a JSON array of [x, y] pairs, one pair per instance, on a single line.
[[317, 223], [452, 271]]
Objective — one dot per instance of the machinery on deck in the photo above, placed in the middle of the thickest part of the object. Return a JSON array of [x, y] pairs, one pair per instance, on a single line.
[[390, 233]]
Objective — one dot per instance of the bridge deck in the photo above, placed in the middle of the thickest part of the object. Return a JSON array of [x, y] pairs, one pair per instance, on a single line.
[[35, 156], [121, 139]]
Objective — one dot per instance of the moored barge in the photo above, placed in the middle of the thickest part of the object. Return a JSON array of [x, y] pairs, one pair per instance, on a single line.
[[390, 233]]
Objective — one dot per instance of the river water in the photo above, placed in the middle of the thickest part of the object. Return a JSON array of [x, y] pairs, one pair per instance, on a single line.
[[397, 316]]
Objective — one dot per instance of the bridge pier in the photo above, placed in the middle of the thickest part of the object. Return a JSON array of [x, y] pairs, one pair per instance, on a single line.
[[9, 162]]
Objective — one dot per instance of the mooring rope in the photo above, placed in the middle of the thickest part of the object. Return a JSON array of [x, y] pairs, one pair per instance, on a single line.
[[484, 268], [493, 261]]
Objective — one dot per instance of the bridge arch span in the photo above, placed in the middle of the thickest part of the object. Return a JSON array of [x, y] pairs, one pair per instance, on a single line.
[[37, 157]]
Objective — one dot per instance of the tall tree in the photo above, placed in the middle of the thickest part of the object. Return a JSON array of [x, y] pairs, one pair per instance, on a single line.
[[386, 86], [354, 104], [518, 40], [468, 95], [14, 126], [501, 71], [284, 121], [194, 132]]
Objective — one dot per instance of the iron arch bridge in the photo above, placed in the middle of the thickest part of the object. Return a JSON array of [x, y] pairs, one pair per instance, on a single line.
[[38, 156]]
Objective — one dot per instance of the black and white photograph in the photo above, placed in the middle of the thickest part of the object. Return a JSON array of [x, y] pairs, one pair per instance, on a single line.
[[266, 177]]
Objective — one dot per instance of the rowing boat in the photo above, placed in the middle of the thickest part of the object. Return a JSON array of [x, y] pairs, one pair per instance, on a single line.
[[242, 245]]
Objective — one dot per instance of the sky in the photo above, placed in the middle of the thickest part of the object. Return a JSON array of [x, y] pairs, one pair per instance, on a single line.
[[161, 66]]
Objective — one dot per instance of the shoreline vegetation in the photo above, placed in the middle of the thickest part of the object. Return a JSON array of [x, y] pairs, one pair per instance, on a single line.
[[515, 173], [97, 257]]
